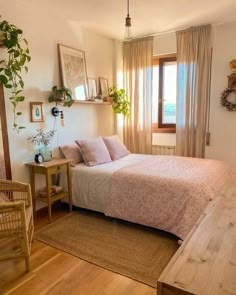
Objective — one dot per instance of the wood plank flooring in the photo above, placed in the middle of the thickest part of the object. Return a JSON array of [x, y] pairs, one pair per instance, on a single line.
[[55, 272]]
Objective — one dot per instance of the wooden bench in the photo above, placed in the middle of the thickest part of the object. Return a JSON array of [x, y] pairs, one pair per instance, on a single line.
[[205, 264]]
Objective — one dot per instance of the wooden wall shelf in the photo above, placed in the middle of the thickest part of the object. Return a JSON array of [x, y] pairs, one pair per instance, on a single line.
[[92, 102]]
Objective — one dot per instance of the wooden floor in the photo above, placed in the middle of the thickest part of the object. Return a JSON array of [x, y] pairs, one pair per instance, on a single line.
[[56, 272]]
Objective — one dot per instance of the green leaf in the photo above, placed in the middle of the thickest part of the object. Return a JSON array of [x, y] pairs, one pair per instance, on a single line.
[[3, 79], [26, 42], [8, 72], [11, 50], [16, 54], [19, 31], [21, 83], [51, 98], [19, 113], [8, 86], [20, 98]]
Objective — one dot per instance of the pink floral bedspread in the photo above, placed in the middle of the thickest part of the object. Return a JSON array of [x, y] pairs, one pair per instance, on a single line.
[[166, 192]]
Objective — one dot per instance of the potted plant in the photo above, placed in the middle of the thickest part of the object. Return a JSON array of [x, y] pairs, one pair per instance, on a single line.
[[61, 96], [12, 67], [120, 103], [42, 142]]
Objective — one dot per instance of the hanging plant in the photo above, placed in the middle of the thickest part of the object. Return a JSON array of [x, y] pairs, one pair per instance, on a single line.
[[120, 103], [11, 68], [61, 96]]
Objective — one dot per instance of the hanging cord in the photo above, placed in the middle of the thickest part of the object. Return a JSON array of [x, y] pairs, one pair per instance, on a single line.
[[55, 127], [127, 7]]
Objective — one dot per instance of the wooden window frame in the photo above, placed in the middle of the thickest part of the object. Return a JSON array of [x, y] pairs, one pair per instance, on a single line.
[[161, 127]]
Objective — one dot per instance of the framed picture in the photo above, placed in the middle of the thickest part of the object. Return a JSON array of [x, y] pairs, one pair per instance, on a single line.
[[36, 111], [73, 71], [92, 87], [104, 88]]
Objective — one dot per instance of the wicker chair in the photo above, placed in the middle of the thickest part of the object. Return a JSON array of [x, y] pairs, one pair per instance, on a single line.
[[16, 218]]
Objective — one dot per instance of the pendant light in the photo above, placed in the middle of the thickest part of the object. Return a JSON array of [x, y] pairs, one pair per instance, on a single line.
[[128, 32]]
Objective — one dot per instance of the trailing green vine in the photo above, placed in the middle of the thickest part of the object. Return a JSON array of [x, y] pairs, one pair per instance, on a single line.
[[11, 67], [120, 104]]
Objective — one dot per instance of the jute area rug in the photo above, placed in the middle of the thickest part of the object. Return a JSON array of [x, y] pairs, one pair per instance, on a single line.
[[138, 252]]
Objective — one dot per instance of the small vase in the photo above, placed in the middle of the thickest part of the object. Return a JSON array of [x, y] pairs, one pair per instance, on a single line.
[[45, 150]]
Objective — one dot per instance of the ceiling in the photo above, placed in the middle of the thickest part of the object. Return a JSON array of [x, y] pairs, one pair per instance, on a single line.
[[148, 16]]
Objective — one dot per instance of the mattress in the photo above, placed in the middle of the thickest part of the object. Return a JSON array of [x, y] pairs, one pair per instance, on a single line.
[[91, 185]]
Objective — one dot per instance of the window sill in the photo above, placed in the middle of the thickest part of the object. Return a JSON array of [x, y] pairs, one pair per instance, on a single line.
[[163, 130], [157, 129]]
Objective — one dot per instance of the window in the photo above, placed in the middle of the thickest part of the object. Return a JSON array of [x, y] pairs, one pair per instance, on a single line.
[[164, 94]]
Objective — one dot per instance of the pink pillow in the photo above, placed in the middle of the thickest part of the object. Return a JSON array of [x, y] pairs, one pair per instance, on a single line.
[[115, 147], [94, 151], [72, 151]]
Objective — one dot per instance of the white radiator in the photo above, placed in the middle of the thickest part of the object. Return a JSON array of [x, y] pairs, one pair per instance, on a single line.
[[163, 150]]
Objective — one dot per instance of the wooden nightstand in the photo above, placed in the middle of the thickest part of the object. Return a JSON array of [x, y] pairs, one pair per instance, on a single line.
[[53, 167]]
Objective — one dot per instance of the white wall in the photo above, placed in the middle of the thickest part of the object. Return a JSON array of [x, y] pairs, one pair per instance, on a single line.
[[44, 29], [222, 122], [164, 44]]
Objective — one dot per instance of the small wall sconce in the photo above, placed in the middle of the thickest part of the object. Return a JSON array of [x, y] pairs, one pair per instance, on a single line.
[[56, 112]]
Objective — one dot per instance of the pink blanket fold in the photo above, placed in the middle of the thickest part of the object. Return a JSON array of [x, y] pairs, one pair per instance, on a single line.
[[166, 192]]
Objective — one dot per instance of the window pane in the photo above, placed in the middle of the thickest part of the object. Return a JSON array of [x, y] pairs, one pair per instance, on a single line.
[[169, 93], [155, 90]]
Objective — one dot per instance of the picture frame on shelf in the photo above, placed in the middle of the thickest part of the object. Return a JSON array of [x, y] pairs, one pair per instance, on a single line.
[[104, 86], [92, 87], [36, 112], [73, 71]]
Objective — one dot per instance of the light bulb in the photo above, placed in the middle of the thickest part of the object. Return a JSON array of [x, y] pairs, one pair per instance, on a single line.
[[62, 119], [128, 33]]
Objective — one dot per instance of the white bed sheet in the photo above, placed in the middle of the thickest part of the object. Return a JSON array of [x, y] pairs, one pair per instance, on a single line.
[[91, 185]]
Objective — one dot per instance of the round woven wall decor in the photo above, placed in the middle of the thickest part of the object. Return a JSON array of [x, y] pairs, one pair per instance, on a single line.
[[224, 99]]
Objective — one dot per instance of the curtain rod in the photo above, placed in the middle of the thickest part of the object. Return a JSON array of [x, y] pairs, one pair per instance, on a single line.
[[177, 30], [159, 34]]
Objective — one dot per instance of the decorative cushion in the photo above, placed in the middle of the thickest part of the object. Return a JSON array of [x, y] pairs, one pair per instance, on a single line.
[[115, 147], [72, 151], [94, 151]]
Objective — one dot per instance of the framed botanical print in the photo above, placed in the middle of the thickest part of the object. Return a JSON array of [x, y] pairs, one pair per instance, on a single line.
[[92, 87], [36, 112], [73, 71], [103, 85]]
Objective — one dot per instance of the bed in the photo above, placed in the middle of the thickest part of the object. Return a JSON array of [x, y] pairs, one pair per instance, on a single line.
[[164, 192]]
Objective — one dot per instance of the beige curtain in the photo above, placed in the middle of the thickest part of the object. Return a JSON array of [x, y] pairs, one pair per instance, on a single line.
[[137, 67], [193, 85]]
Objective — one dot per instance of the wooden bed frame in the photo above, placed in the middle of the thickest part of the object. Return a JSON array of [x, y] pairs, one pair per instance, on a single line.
[[205, 264]]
